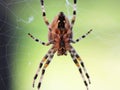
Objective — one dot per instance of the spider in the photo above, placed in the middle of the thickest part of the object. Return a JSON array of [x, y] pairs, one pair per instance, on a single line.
[[60, 35]]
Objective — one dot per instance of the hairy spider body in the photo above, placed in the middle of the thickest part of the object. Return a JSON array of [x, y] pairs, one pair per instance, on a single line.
[[60, 36], [60, 33]]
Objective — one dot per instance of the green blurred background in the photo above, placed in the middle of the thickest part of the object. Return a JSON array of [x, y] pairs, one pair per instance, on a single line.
[[99, 51]]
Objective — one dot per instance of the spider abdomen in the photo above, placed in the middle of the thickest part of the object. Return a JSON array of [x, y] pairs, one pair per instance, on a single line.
[[62, 43]]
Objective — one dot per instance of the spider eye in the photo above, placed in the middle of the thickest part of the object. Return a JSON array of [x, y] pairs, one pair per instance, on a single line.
[[61, 21], [61, 17], [61, 25], [58, 21]]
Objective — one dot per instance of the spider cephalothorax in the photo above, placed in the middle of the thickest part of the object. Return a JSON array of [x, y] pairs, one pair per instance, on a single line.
[[60, 36], [61, 21]]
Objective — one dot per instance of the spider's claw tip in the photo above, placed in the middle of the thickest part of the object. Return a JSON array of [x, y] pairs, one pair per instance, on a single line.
[[33, 85], [28, 33], [91, 29], [89, 82]]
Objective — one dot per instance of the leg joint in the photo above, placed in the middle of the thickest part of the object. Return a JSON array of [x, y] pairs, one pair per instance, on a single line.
[[43, 71], [39, 85], [35, 76]]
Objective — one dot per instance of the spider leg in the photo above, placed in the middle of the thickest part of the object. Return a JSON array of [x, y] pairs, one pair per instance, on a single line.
[[40, 66], [83, 36], [44, 13], [74, 14], [41, 42], [81, 62], [83, 66], [78, 65], [51, 54]]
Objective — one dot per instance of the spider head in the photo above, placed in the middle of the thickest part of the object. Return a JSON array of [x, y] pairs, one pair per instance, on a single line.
[[61, 21]]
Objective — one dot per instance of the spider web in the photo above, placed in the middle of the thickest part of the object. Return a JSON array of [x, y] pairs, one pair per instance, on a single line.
[[9, 30], [15, 45]]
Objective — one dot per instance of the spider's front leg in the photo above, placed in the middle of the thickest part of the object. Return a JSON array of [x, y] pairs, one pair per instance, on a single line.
[[74, 14], [44, 13]]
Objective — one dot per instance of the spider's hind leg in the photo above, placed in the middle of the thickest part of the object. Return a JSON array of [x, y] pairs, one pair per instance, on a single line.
[[75, 58], [51, 54], [47, 56], [40, 66], [83, 66]]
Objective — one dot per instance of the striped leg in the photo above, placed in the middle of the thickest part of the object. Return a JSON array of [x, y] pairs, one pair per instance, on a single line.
[[83, 36], [81, 62], [37, 40], [83, 66], [44, 13], [51, 54], [74, 14], [41, 64], [78, 65]]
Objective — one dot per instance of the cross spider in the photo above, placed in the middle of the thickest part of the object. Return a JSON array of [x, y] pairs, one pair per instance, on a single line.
[[60, 35]]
